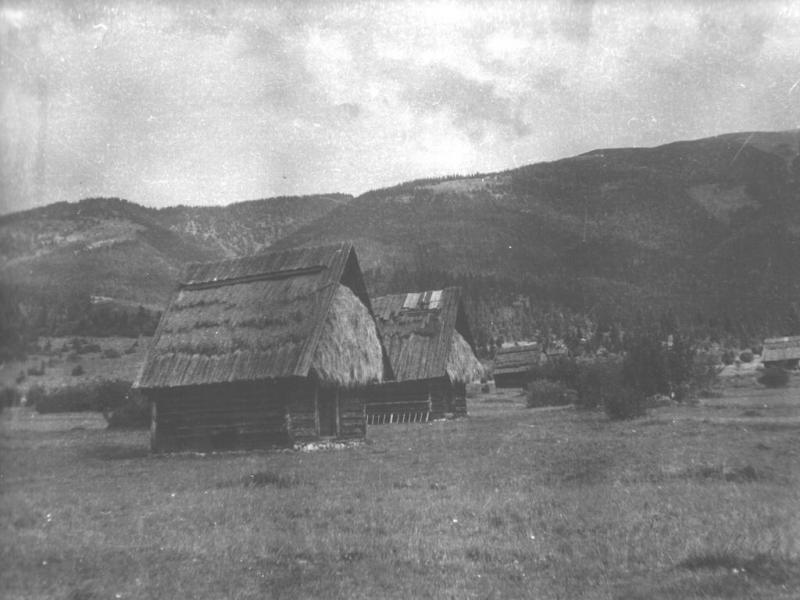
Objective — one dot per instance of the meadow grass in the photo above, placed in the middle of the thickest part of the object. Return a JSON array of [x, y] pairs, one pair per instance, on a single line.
[[509, 503]]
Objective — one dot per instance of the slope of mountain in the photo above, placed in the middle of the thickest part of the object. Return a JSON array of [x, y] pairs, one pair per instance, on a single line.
[[707, 228], [247, 227], [690, 226], [118, 249]]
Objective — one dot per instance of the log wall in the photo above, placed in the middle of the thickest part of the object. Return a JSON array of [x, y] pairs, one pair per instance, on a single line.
[[247, 416], [413, 401]]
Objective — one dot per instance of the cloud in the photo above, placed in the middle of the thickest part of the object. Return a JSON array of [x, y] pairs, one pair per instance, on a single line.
[[167, 102], [473, 106]]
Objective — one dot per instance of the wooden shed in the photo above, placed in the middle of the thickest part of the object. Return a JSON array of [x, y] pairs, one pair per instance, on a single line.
[[431, 352], [513, 364], [264, 351], [782, 351]]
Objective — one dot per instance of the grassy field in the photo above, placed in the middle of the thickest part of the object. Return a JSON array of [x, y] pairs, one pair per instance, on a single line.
[[61, 359], [688, 502]]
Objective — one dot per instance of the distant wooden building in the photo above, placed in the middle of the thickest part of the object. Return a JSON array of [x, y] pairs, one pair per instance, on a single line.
[[431, 352], [783, 351], [512, 365], [264, 351]]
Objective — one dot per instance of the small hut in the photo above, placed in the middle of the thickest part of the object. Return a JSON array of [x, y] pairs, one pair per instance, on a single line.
[[781, 352], [431, 352], [513, 364], [264, 351]]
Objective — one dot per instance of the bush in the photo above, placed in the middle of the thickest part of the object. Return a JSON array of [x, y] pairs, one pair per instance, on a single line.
[[95, 396], [37, 372], [746, 356], [89, 348], [9, 396], [728, 357], [77, 370], [624, 403], [543, 392], [592, 379], [111, 353], [704, 375], [774, 377], [598, 381], [130, 412], [34, 395], [21, 377]]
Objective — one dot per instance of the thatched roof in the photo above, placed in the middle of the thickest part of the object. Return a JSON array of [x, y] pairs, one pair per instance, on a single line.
[[783, 348], [427, 336], [516, 359], [276, 315]]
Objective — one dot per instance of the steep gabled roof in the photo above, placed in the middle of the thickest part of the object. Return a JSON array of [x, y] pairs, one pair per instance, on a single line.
[[420, 330], [253, 318], [784, 348], [516, 359]]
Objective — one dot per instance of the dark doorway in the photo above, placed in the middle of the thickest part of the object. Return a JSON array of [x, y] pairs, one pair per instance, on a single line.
[[327, 404]]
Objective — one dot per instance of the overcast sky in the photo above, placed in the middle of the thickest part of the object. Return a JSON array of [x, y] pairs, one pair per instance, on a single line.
[[210, 103]]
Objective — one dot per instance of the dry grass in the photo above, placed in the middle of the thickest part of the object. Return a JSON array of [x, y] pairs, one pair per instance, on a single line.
[[349, 350], [510, 503], [462, 365]]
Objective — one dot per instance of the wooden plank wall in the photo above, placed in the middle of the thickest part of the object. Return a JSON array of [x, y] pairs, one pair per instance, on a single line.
[[352, 414], [396, 402], [511, 380], [415, 401], [221, 417]]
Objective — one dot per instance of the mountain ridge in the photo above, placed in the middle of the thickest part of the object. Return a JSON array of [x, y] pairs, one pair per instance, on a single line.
[[688, 226]]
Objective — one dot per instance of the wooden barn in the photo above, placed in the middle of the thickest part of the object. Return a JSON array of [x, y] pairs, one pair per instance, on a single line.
[[264, 351], [431, 352], [783, 352], [513, 364]]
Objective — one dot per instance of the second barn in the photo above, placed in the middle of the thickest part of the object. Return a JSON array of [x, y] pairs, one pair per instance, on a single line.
[[431, 351]]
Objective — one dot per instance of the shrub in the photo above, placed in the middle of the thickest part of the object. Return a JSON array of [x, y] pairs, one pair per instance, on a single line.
[[624, 403], [774, 377], [9, 396], [704, 375], [129, 412], [91, 396], [562, 369], [36, 372], [746, 356], [728, 357], [111, 353], [132, 348], [543, 392], [89, 348], [34, 395], [77, 370], [592, 379], [598, 381], [21, 377]]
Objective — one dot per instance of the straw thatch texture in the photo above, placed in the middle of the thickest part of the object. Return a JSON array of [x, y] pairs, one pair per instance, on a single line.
[[780, 349], [462, 364], [349, 351], [250, 319], [418, 334]]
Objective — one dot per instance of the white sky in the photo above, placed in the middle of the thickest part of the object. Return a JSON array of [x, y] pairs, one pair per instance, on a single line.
[[215, 102]]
